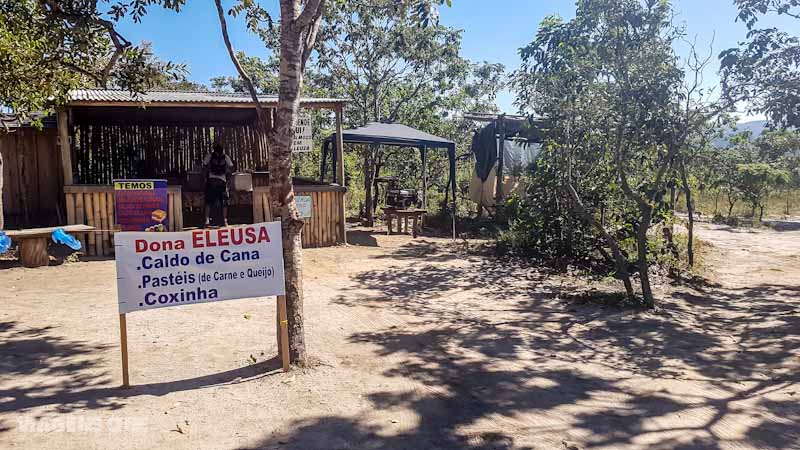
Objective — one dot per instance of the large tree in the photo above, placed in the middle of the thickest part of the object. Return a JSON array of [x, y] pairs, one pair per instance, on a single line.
[[299, 24], [764, 70], [377, 55], [621, 111]]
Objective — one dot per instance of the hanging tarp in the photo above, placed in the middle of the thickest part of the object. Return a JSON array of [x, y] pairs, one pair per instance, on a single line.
[[518, 155]]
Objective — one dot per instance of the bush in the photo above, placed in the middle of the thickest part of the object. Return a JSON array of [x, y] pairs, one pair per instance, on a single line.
[[541, 224], [719, 219]]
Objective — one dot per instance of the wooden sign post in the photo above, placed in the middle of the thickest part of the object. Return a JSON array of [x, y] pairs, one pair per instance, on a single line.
[[283, 333], [123, 339]]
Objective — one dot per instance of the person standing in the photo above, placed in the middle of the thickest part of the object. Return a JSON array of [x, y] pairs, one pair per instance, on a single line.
[[218, 166]]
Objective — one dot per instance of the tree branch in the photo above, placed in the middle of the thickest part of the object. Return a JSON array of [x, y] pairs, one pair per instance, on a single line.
[[248, 82], [310, 14]]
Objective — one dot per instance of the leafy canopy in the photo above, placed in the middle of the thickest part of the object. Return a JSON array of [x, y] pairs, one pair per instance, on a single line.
[[48, 47]]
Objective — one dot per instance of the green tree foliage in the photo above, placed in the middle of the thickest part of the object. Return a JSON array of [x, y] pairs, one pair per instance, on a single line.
[[48, 47], [765, 70], [751, 170], [377, 54], [756, 181], [621, 112], [264, 74], [394, 70]]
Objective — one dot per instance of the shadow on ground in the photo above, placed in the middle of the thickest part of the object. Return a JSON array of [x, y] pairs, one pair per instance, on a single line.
[[75, 374], [510, 362]]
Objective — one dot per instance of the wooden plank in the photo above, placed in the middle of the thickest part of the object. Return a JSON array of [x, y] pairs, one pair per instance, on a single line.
[[70, 202], [258, 207], [64, 145], [179, 211], [104, 225], [332, 216], [315, 223], [91, 248], [111, 220], [98, 241], [268, 217], [32, 233], [317, 210], [319, 218], [171, 212], [324, 218], [80, 218]]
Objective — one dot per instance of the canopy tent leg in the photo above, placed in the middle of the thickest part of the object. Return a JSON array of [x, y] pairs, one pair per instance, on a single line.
[[339, 169], [501, 143], [424, 154], [451, 153]]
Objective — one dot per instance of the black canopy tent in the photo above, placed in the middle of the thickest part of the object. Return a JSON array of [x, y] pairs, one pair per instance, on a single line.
[[399, 135]]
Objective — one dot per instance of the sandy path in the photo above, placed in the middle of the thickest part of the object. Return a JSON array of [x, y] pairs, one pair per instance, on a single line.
[[419, 345]]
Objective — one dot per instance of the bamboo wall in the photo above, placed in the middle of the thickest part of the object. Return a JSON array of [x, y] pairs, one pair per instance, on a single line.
[[324, 228], [104, 152], [94, 206], [31, 178]]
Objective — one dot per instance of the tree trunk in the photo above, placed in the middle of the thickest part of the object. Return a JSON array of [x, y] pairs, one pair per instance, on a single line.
[[22, 183], [642, 263], [788, 202], [298, 33], [620, 261], [295, 40], [687, 192], [731, 204]]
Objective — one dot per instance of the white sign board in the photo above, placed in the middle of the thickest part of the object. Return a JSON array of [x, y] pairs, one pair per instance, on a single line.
[[158, 270], [304, 205], [303, 134]]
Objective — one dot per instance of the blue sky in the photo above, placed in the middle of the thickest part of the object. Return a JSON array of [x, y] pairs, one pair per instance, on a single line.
[[493, 31]]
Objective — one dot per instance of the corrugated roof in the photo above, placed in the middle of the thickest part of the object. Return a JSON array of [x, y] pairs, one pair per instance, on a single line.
[[47, 120], [211, 98]]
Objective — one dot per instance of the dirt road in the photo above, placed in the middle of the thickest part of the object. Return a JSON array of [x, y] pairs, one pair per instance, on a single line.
[[417, 345]]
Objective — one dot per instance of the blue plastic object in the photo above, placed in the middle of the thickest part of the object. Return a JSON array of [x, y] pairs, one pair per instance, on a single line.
[[5, 242], [61, 237]]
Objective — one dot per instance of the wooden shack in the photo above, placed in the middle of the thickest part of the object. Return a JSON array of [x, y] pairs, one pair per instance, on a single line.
[[103, 135], [31, 173]]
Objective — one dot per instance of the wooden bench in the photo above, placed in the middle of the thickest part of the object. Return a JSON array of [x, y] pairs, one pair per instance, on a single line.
[[33, 242], [416, 216]]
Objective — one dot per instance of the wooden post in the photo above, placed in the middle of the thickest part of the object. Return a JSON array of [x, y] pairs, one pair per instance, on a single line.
[[498, 193], [123, 340], [66, 151], [340, 169], [283, 333], [33, 252], [424, 177]]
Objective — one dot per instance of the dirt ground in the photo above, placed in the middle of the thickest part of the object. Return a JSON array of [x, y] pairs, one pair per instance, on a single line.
[[417, 345]]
